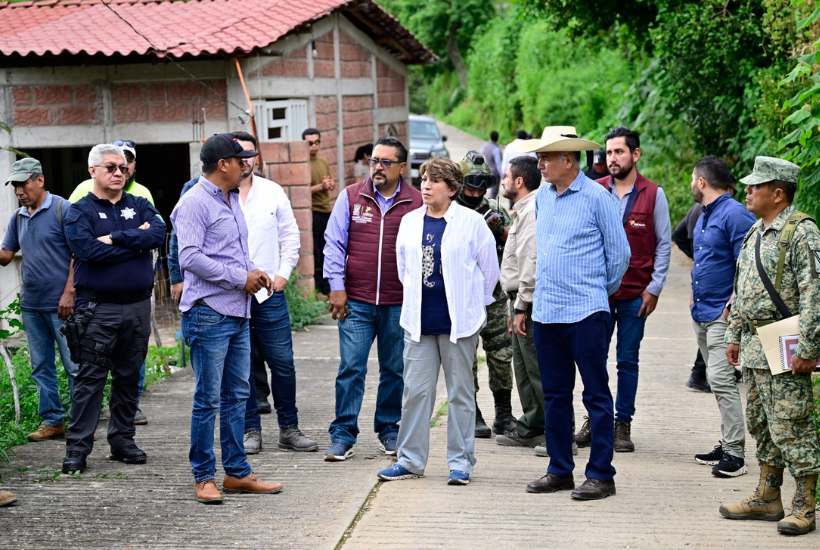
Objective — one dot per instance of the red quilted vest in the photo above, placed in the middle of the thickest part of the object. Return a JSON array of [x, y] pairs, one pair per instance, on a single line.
[[640, 232], [371, 273]]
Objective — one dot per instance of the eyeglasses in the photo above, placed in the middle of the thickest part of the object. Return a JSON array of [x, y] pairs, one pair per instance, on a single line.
[[386, 163], [114, 167], [126, 142], [314, 141]]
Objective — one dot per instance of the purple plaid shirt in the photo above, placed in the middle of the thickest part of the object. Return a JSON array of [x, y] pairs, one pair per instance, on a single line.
[[213, 250]]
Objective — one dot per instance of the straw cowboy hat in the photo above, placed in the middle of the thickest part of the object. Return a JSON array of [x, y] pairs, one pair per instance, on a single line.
[[557, 138]]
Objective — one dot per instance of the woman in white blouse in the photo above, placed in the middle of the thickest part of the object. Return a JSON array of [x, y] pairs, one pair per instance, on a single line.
[[448, 265]]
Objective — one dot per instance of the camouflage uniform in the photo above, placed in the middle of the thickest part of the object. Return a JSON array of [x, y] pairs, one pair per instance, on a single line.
[[495, 338], [779, 408]]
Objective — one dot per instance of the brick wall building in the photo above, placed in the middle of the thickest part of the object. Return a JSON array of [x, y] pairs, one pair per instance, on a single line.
[[337, 66]]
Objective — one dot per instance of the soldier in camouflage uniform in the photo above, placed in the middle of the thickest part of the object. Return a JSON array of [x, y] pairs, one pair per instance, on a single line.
[[779, 408], [495, 338]]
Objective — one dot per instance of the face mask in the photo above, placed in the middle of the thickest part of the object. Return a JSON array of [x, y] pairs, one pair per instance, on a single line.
[[473, 202]]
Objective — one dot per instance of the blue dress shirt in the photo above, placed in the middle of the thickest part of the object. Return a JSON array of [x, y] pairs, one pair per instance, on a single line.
[[582, 251]]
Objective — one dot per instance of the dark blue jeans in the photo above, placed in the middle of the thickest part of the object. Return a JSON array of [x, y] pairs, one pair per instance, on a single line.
[[630, 334], [271, 337], [560, 347], [365, 323], [220, 356]]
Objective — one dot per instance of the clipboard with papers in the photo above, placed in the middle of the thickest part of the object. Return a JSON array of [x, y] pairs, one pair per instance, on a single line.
[[779, 342]]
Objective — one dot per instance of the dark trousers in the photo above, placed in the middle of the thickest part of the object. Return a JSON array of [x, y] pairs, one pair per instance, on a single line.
[[124, 331], [560, 347], [699, 368], [320, 220]]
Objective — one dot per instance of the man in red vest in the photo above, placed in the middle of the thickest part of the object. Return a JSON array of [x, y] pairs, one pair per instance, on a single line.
[[366, 295], [645, 214]]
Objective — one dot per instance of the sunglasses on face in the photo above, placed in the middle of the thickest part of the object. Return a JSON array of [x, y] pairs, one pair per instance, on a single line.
[[386, 163], [126, 142], [314, 141], [112, 168]]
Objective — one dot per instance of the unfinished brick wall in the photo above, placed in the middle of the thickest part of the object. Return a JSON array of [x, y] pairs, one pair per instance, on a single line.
[[391, 86], [48, 105], [324, 65], [357, 120], [327, 124], [288, 164], [293, 64], [354, 58], [169, 101]]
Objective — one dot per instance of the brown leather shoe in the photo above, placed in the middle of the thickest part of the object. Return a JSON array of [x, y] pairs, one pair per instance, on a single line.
[[45, 432], [207, 492], [594, 489], [551, 483], [7, 498], [249, 484]]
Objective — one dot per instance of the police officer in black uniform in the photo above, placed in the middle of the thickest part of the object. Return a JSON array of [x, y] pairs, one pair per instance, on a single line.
[[111, 234]]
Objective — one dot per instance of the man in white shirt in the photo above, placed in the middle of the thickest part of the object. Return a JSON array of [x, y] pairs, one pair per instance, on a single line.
[[270, 220], [510, 151]]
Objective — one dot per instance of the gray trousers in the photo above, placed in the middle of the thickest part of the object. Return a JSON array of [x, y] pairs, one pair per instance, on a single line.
[[721, 377], [421, 367]]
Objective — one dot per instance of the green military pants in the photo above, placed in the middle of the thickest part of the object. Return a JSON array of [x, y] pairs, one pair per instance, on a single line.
[[527, 378], [779, 417], [497, 346]]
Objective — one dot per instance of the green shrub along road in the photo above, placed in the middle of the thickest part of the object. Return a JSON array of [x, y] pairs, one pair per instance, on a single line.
[[694, 77]]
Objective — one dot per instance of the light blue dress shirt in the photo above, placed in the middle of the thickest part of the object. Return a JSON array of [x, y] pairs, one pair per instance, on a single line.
[[582, 251]]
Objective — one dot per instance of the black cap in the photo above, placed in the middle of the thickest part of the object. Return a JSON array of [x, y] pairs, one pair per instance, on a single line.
[[223, 146]]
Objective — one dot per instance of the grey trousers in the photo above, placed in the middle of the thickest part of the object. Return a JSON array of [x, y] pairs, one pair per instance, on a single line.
[[721, 377], [421, 367]]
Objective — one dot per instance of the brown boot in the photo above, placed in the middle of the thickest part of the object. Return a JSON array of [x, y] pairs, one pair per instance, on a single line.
[[765, 503], [7, 498], [207, 492], [623, 441], [45, 432], [801, 516], [249, 484]]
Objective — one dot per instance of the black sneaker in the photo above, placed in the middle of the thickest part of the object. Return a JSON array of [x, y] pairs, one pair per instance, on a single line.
[[130, 454], [729, 466], [74, 461], [712, 458]]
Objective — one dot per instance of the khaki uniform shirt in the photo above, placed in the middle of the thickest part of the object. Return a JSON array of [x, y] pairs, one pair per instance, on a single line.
[[800, 287], [520, 254], [319, 168]]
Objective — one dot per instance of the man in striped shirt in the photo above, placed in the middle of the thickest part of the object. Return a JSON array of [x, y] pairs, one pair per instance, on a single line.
[[582, 255]]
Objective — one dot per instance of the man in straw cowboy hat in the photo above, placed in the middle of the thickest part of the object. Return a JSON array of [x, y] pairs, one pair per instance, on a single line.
[[582, 254]]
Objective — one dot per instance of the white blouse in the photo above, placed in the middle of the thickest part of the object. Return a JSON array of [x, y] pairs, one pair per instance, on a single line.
[[469, 266]]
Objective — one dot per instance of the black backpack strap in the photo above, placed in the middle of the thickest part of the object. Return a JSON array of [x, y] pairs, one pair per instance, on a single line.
[[781, 306]]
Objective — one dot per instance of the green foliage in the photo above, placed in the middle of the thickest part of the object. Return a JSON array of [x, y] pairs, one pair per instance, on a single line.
[[12, 316], [10, 433], [802, 143], [303, 310]]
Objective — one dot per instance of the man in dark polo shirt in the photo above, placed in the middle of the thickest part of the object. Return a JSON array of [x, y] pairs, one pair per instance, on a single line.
[[36, 228], [111, 234]]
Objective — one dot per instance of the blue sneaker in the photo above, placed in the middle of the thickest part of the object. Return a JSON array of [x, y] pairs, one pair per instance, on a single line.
[[457, 477], [395, 473], [339, 452], [390, 444]]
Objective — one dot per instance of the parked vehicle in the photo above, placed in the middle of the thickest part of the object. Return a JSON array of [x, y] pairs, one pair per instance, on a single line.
[[425, 142]]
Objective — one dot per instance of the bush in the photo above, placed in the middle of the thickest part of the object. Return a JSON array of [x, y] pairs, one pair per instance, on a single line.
[[303, 310]]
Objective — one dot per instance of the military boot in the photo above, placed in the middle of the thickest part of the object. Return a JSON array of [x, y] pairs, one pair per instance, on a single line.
[[481, 429], [504, 420], [765, 503], [801, 516]]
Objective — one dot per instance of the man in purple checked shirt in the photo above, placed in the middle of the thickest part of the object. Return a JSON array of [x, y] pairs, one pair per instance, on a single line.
[[219, 280]]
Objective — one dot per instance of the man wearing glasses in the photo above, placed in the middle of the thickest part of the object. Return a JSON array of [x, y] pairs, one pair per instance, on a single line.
[[320, 184], [366, 295], [132, 188], [111, 234]]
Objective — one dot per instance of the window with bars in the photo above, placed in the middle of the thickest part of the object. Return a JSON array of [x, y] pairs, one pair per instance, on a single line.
[[280, 119]]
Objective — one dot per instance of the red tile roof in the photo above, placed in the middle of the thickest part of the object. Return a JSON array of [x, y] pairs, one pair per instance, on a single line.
[[174, 28]]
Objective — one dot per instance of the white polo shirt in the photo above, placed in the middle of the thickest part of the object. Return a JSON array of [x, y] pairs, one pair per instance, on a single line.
[[273, 236]]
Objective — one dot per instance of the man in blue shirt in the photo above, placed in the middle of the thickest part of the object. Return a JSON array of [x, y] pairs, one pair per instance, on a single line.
[[111, 234], [582, 254], [718, 236], [36, 228]]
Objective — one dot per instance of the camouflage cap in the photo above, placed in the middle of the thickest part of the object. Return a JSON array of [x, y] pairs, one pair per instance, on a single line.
[[770, 169]]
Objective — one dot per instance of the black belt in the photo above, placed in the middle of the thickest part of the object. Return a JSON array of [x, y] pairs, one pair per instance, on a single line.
[[201, 303], [112, 297], [752, 326]]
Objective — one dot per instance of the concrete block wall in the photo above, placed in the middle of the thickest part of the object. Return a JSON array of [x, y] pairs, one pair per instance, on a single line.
[[288, 164], [55, 105]]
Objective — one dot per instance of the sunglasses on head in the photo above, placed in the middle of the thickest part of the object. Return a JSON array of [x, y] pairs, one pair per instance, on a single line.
[[112, 168], [314, 141], [126, 142], [386, 163]]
